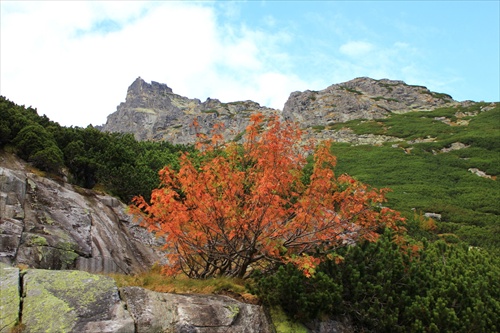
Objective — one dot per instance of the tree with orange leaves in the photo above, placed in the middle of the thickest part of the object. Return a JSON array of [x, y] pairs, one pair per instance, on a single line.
[[249, 206]]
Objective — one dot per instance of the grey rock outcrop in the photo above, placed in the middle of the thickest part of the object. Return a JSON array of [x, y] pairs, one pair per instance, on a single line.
[[72, 301], [76, 301], [53, 225], [154, 112], [361, 98], [163, 312]]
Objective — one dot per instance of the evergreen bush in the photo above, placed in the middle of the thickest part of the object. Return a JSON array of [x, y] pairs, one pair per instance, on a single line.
[[385, 287]]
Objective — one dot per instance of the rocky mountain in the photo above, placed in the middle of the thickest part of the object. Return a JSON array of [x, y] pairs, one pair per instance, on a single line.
[[54, 225], [361, 98], [154, 112]]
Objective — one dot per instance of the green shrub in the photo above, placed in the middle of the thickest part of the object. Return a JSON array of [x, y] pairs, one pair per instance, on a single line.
[[300, 297], [384, 287]]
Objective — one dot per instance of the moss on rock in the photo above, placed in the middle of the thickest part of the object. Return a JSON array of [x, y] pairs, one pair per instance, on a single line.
[[64, 301], [283, 324], [9, 297]]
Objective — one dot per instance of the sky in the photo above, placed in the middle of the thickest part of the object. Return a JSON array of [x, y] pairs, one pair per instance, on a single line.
[[74, 60]]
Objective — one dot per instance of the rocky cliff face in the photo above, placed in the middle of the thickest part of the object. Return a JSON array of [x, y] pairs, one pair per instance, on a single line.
[[361, 98], [46, 224], [154, 112]]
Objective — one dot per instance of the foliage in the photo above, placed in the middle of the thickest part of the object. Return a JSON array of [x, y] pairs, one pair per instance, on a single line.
[[246, 206], [35, 144], [423, 178], [283, 324], [120, 164], [382, 286], [304, 298]]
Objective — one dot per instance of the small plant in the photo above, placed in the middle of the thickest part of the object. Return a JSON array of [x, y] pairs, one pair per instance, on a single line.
[[211, 111], [378, 98], [256, 209], [234, 310], [312, 96], [17, 328], [156, 281], [239, 136], [437, 95], [351, 90], [318, 128]]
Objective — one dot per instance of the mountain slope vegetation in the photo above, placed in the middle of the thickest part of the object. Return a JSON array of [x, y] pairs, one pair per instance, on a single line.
[[436, 168], [441, 278]]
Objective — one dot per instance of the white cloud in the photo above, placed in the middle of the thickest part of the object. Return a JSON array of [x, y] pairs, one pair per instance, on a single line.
[[356, 48], [61, 58]]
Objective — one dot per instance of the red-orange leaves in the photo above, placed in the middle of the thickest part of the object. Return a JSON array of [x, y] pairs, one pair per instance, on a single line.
[[246, 206]]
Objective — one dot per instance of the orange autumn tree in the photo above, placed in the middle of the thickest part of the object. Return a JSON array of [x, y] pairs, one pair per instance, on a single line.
[[248, 206]]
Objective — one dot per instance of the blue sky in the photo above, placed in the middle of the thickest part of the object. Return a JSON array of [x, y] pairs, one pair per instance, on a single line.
[[73, 60]]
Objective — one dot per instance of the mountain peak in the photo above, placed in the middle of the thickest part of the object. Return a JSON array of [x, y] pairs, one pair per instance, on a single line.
[[360, 98], [152, 111], [141, 87]]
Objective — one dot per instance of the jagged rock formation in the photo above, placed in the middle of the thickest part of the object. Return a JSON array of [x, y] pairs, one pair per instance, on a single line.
[[154, 112], [46, 224], [75, 301], [361, 98]]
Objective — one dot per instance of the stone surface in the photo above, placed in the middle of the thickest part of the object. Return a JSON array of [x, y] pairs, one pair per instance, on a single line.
[[72, 301], [9, 297], [162, 312], [144, 306], [454, 146], [76, 301], [480, 173], [53, 225]]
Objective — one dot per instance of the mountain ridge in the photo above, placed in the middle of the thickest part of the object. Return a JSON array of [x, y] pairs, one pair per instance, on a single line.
[[152, 111]]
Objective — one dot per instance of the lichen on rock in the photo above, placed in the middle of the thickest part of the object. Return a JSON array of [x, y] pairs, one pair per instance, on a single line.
[[69, 301], [9, 297]]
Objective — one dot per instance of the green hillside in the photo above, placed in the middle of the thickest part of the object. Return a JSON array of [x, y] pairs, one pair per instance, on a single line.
[[425, 178]]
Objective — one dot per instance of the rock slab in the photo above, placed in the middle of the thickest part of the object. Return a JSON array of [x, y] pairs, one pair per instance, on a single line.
[[52, 225], [163, 312], [77, 301], [72, 301]]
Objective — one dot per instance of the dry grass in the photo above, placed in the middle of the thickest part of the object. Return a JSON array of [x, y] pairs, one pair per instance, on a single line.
[[181, 284]]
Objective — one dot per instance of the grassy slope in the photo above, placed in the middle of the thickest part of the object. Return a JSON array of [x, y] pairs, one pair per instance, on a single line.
[[431, 181]]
